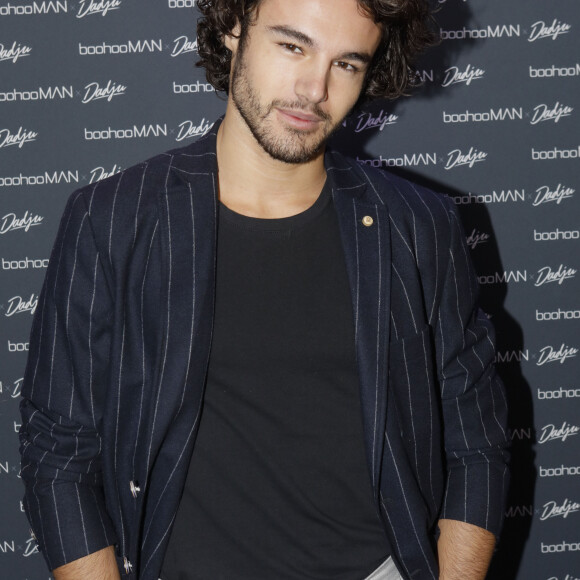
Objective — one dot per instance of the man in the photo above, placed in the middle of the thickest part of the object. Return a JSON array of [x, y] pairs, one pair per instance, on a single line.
[[306, 391]]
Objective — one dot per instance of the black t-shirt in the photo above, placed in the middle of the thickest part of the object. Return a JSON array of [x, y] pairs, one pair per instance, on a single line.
[[278, 487]]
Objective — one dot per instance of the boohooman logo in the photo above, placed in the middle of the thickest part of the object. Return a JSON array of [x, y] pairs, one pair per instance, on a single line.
[[505, 114], [554, 71], [556, 235], [560, 471], [34, 8], [56, 177], [17, 346], [555, 153], [503, 196], [406, 160], [192, 88], [39, 94], [25, 264], [489, 32], [557, 315], [561, 547], [134, 132], [557, 394], [130, 47]]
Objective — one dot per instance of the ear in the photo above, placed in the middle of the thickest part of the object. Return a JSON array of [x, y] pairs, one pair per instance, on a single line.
[[232, 39]]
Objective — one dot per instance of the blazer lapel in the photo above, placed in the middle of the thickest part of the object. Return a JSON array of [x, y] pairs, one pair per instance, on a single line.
[[188, 225], [365, 232]]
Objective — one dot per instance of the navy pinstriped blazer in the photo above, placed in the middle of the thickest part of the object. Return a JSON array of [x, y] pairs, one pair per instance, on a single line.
[[121, 340]]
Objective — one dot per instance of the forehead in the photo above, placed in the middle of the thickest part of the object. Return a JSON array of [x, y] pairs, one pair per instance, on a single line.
[[339, 25]]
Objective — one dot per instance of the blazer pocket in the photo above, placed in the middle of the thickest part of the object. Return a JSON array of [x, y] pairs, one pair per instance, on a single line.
[[414, 392]]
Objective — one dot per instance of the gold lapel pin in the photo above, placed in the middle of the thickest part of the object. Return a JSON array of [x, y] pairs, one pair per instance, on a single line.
[[368, 221]]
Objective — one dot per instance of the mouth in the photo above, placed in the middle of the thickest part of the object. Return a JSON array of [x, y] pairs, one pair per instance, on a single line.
[[300, 119]]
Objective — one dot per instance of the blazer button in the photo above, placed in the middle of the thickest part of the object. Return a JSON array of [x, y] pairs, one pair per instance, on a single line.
[[368, 221], [135, 489]]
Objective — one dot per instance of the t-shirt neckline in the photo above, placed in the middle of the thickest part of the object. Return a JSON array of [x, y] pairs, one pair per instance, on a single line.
[[277, 224]]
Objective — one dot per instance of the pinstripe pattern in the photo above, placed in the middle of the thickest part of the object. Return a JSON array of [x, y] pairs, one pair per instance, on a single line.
[[121, 341]]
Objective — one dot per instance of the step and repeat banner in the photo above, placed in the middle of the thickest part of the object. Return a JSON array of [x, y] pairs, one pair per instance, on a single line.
[[88, 88]]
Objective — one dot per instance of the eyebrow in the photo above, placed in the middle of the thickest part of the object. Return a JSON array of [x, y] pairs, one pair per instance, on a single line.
[[289, 32]]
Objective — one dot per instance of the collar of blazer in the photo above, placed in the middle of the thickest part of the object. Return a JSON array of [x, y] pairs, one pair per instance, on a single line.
[[359, 198]]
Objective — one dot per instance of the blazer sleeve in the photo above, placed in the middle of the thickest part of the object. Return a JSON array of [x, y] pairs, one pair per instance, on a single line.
[[473, 399], [63, 391]]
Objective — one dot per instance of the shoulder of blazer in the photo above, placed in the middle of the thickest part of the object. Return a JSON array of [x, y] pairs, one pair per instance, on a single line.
[[121, 203], [157, 175], [402, 197]]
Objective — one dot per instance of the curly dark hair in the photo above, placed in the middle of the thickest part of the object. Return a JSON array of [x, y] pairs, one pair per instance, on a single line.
[[408, 28]]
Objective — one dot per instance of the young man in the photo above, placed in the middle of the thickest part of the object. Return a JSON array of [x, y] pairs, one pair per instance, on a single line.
[[305, 391]]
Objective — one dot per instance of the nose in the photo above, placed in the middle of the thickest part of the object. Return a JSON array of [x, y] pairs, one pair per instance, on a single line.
[[312, 84]]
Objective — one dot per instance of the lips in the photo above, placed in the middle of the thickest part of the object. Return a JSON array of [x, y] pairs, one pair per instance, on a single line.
[[299, 120], [309, 117]]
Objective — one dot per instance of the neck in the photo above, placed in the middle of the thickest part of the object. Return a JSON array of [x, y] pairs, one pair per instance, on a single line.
[[254, 184]]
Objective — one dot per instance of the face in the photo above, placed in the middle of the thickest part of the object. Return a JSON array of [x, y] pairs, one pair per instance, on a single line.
[[298, 72]]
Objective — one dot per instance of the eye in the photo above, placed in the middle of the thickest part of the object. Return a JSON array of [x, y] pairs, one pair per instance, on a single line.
[[291, 47], [346, 66]]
